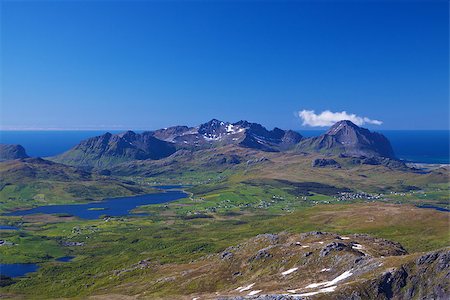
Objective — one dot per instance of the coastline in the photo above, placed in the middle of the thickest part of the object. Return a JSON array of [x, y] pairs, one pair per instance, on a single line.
[[426, 166]]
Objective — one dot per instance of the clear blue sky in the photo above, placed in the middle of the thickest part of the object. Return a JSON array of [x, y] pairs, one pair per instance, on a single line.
[[150, 64]]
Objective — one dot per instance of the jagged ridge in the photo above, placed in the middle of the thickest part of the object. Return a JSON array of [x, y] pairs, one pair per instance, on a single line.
[[107, 150], [219, 133]]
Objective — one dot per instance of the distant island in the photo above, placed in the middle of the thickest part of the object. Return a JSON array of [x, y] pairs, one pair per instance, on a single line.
[[344, 138]]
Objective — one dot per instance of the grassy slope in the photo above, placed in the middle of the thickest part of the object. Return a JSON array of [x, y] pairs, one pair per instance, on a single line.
[[77, 157], [120, 244]]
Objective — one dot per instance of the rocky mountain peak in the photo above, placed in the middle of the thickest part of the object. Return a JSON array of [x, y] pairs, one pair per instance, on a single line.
[[342, 127], [213, 129], [346, 138], [128, 135]]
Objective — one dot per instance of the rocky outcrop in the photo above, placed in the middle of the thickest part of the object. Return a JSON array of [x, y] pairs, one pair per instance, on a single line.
[[425, 278], [334, 246], [10, 152], [325, 162], [377, 161]]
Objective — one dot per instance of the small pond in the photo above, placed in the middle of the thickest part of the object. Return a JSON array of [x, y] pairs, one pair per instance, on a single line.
[[433, 207], [17, 270], [65, 258], [7, 227]]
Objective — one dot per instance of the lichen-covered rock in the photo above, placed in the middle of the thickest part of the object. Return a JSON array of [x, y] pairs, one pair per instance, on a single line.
[[425, 278], [325, 162], [263, 297], [334, 246], [226, 255], [261, 254], [272, 238]]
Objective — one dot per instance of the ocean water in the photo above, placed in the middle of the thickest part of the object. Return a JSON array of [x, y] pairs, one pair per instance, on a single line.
[[423, 146], [47, 143], [428, 146]]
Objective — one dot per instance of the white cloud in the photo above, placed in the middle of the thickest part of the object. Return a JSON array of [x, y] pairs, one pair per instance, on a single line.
[[328, 118]]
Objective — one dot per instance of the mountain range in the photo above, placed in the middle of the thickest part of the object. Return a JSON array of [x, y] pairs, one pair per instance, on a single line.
[[343, 138], [218, 133]]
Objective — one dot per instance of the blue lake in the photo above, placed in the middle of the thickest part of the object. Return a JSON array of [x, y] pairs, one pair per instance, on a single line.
[[17, 270], [111, 207], [65, 258], [7, 227], [433, 207], [170, 187], [114, 207]]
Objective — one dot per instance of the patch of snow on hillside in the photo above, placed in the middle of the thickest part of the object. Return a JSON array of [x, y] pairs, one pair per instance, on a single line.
[[357, 247], [289, 271], [230, 128], [341, 277], [252, 293], [324, 290], [211, 137], [245, 288]]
